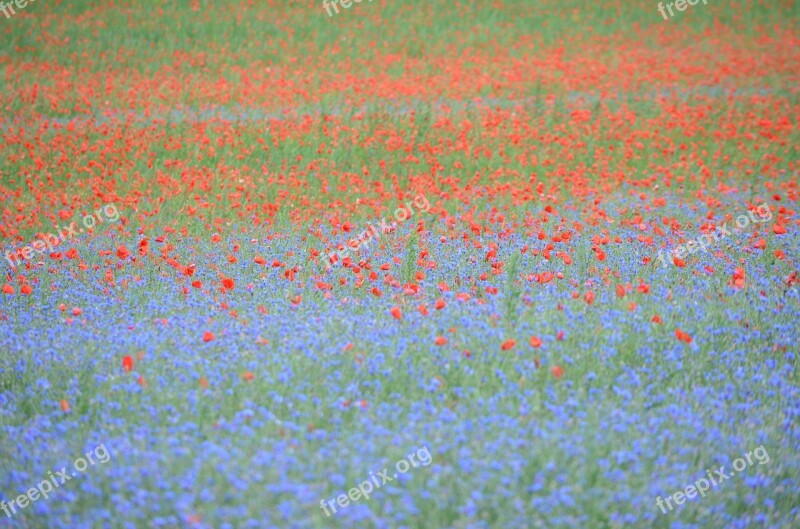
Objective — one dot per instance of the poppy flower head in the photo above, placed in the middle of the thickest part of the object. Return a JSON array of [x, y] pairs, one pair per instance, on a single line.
[[508, 344]]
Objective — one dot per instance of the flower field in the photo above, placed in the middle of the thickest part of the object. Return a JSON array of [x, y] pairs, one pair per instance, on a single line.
[[257, 254]]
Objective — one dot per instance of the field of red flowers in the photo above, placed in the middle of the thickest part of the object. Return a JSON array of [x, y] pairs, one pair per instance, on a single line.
[[257, 254]]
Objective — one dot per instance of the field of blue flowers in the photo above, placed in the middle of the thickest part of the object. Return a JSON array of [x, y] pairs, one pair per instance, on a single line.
[[293, 403]]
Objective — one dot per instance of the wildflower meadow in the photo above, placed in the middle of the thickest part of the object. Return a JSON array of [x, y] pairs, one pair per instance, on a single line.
[[402, 264]]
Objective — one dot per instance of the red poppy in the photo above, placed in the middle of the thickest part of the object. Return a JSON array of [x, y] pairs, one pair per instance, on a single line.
[[557, 371], [535, 342], [397, 313], [440, 340], [682, 336], [589, 297], [127, 363], [738, 278], [208, 336], [508, 344]]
